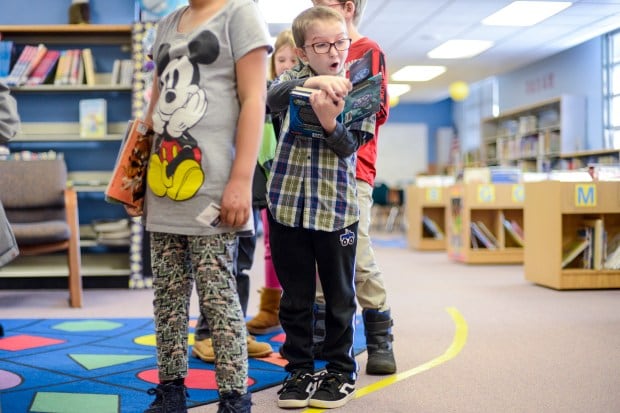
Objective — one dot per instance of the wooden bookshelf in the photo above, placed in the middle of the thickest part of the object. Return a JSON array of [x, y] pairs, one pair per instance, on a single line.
[[489, 204], [553, 212], [430, 202]]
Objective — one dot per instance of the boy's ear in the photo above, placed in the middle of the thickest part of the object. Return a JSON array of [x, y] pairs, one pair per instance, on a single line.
[[301, 54], [349, 8]]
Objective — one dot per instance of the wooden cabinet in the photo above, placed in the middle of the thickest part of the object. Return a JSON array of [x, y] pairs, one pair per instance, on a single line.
[[554, 212], [535, 137], [50, 122], [426, 203], [488, 206]]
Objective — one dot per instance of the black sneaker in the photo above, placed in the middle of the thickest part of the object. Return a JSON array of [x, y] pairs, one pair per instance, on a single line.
[[335, 390], [234, 402], [296, 390], [169, 398]]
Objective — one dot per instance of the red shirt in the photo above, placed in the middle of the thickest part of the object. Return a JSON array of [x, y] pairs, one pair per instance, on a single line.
[[367, 154]]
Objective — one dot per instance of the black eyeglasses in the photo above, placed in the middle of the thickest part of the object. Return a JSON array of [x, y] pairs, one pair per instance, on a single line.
[[324, 47]]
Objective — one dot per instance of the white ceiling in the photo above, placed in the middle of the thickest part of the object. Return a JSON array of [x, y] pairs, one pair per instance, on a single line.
[[408, 29]]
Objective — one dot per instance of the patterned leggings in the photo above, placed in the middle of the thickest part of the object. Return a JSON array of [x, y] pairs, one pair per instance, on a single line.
[[176, 260]]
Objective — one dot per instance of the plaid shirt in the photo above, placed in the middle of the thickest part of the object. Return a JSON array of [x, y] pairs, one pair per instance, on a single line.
[[312, 181]]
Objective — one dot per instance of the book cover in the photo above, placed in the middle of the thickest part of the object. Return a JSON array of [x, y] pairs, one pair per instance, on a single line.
[[431, 226], [62, 67], [364, 100], [89, 66], [477, 232], [573, 249], [361, 69], [128, 182], [6, 55], [598, 238], [74, 71], [37, 56], [93, 118], [513, 233], [487, 232], [44, 69], [21, 65]]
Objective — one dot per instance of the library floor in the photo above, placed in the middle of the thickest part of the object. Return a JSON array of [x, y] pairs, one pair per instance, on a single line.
[[467, 338]]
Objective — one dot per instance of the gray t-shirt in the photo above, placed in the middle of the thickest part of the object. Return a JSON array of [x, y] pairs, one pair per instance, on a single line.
[[195, 118], [9, 118]]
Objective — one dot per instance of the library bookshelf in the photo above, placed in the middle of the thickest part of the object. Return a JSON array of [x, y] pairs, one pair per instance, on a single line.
[[427, 202], [553, 213], [489, 204]]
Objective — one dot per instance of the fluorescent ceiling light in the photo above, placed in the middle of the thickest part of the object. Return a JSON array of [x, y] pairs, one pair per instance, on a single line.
[[459, 49], [418, 73], [283, 12], [525, 13], [397, 89]]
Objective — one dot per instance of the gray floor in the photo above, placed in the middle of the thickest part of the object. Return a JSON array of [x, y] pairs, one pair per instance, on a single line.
[[468, 338]]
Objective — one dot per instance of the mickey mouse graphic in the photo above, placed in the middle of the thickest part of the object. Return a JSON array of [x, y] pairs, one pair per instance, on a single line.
[[175, 168]]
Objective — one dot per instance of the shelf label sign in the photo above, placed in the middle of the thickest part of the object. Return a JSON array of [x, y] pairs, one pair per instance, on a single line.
[[486, 194], [433, 194], [585, 195], [518, 194]]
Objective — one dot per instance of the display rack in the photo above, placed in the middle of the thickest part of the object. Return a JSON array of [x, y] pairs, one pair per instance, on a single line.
[[554, 213], [427, 203], [489, 204]]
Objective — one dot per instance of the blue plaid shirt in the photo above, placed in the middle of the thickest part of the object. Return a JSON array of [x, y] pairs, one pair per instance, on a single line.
[[312, 181]]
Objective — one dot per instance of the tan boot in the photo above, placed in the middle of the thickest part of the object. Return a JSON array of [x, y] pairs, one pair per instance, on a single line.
[[203, 349], [267, 319], [258, 349]]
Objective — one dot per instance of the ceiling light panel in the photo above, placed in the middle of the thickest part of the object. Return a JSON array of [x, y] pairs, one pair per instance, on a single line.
[[397, 89], [417, 73], [459, 49], [525, 13]]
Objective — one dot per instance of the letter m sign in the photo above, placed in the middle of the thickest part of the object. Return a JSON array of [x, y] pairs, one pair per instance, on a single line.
[[585, 195]]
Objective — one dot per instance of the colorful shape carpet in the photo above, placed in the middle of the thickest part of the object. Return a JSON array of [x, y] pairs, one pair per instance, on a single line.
[[106, 366]]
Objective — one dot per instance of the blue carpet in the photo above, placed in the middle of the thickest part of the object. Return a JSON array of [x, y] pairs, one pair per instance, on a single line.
[[106, 366]]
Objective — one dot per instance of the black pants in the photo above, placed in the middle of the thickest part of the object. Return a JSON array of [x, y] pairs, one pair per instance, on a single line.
[[297, 254], [244, 257]]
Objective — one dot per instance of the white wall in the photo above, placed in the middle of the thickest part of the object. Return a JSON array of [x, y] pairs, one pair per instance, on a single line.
[[402, 152]]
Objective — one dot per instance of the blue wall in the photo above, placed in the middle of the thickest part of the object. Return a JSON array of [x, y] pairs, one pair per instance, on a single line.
[[577, 71], [56, 11]]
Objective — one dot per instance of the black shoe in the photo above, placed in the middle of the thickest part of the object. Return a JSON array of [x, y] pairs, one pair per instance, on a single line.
[[296, 390], [378, 330], [169, 398], [335, 390], [234, 402]]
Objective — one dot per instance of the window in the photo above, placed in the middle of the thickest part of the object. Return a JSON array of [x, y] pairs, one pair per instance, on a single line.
[[611, 92]]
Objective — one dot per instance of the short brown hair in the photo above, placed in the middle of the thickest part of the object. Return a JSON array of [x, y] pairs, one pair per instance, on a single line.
[[306, 18]]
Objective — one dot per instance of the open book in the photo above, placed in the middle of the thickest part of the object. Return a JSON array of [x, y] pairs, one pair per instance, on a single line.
[[361, 102]]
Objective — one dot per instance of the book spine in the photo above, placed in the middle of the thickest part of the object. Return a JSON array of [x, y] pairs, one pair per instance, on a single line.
[[89, 66], [19, 68], [38, 55]]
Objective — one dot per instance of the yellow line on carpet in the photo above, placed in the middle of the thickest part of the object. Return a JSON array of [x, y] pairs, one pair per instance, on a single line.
[[458, 342]]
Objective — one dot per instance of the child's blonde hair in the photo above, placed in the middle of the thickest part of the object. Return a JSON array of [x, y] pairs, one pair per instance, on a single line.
[[285, 38], [308, 17]]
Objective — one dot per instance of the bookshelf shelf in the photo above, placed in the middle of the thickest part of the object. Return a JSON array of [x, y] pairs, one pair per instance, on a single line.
[[68, 33], [485, 205], [535, 137], [429, 202], [70, 88], [554, 212]]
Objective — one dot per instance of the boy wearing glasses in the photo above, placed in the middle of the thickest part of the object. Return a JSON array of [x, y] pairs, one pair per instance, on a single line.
[[313, 214], [369, 284]]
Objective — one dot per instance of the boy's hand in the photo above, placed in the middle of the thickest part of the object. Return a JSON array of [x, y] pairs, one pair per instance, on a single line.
[[336, 87], [326, 109], [236, 203]]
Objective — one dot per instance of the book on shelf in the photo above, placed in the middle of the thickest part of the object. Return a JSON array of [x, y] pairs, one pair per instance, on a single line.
[[431, 226], [362, 101], [576, 247], [514, 231], [487, 232], [128, 182], [89, 66], [76, 72], [612, 253], [598, 241], [93, 118], [6, 56], [61, 77], [481, 236], [27, 60], [44, 69]]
